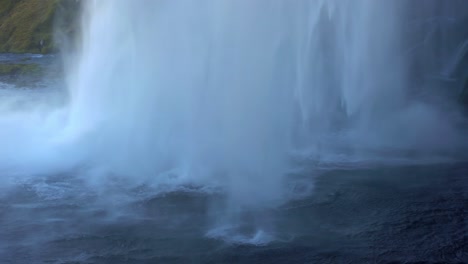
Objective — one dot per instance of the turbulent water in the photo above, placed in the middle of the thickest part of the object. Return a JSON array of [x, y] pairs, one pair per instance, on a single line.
[[229, 131], [223, 92]]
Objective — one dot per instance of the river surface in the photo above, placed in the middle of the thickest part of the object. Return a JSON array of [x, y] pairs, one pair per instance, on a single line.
[[354, 212], [383, 214]]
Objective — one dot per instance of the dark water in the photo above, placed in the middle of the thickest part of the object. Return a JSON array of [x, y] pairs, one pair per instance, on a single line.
[[358, 214], [386, 214]]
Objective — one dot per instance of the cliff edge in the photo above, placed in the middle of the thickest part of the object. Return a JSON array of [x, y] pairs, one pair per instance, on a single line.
[[27, 26]]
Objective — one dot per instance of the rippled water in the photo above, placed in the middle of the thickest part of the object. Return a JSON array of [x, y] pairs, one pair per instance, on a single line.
[[397, 214], [369, 210]]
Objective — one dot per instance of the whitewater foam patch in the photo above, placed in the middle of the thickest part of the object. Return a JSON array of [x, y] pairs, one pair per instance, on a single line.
[[232, 234]]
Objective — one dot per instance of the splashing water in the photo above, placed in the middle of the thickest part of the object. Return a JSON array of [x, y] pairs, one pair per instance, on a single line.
[[226, 93]]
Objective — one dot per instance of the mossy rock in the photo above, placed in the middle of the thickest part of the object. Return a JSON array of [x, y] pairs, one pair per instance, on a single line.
[[28, 25], [5, 6]]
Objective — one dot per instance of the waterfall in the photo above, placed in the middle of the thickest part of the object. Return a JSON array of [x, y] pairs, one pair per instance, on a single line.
[[225, 92]]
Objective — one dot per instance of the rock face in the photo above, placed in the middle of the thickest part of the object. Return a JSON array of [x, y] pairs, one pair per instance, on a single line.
[[28, 25]]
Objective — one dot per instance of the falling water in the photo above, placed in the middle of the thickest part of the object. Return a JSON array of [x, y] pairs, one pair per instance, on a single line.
[[230, 94], [224, 92]]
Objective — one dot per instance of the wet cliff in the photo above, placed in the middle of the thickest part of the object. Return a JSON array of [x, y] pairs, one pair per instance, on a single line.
[[28, 26]]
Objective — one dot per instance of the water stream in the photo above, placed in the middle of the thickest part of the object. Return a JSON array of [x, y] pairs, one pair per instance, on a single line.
[[241, 128]]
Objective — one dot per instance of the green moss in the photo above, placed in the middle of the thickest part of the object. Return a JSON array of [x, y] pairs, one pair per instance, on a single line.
[[28, 25], [5, 6]]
